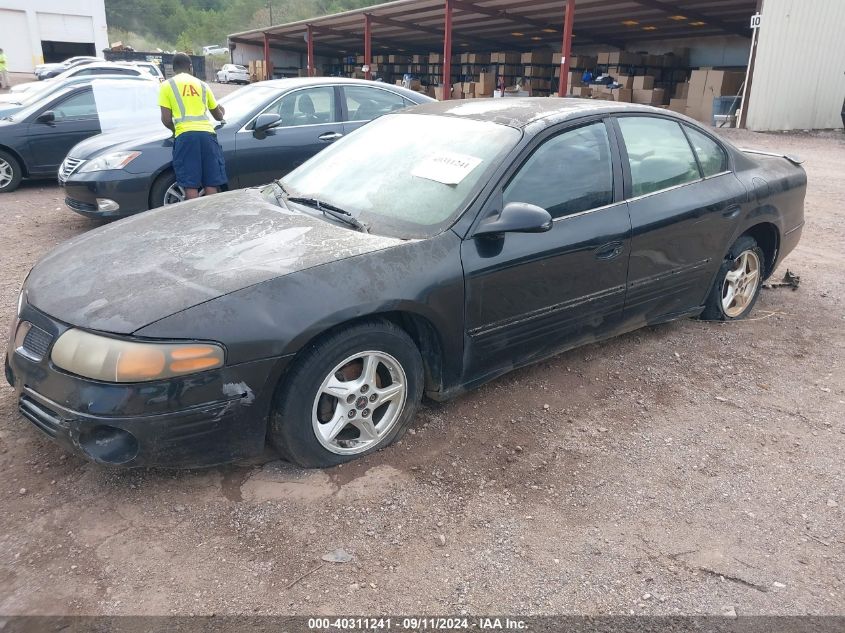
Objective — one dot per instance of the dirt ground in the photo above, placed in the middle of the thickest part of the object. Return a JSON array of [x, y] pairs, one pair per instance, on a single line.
[[690, 468]]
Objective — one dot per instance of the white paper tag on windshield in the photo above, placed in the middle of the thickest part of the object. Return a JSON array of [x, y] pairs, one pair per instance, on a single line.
[[448, 168]]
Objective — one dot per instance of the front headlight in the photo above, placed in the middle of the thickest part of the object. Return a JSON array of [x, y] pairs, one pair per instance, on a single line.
[[116, 360], [115, 160]]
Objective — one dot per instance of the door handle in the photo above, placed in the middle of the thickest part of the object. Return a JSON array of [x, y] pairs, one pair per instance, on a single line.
[[731, 212], [330, 136], [609, 251]]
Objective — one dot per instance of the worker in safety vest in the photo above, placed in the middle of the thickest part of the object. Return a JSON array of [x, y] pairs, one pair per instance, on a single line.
[[185, 102], [4, 75]]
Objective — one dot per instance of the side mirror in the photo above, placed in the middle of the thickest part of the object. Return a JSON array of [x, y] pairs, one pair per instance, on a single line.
[[46, 117], [264, 123], [517, 217]]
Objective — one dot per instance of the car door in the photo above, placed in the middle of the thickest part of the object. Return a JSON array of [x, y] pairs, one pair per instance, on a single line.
[[530, 294], [362, 104], [681, 217], [75, 120], [311, 121]]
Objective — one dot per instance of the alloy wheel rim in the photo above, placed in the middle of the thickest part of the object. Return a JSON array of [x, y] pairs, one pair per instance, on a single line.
[[6, 173], [740, 284], [175, 193], [359, 403]]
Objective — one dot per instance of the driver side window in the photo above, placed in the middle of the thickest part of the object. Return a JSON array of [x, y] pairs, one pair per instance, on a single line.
[[79, 106], [312, 106], [569, 173]]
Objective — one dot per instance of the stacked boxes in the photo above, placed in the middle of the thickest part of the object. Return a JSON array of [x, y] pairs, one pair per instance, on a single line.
[[704, 85]]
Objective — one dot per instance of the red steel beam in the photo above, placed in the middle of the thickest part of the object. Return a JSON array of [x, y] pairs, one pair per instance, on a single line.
[[568, 20], [266, 56], [368, 45], [447, 52], [310, 36]]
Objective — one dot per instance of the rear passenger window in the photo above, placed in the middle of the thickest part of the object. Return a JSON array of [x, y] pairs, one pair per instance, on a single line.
[[711, 156], [366, 104], [567, 174], [658, 153]]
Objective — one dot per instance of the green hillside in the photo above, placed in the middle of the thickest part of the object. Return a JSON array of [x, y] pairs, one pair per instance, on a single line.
[[191, 24]]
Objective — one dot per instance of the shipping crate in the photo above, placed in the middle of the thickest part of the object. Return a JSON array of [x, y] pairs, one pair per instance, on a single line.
[[643, 82], [678, 105], [625, 95], [537, 58]]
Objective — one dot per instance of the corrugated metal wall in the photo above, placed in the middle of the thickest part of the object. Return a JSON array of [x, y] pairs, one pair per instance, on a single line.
[[799, 75]]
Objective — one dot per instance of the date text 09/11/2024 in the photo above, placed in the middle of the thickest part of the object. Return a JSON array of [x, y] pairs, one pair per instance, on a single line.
[[416, 624]]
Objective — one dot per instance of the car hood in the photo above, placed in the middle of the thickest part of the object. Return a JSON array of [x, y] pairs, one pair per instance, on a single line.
[[24, 86], [131, 273], [134, 139]]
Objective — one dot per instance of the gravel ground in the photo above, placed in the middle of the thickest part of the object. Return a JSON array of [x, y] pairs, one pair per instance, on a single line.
[[690, 468]]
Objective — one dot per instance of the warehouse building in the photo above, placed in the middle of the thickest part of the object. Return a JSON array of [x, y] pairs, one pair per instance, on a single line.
[[38, 31], [783, 58]]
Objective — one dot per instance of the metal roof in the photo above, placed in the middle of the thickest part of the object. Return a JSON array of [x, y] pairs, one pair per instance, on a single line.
[[416, 26]]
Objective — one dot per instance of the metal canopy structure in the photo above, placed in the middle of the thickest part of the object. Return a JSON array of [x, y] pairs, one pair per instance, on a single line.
[[423, 26], [417, 26]]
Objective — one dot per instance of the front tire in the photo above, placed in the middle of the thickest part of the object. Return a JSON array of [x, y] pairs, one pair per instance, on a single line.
[[166, 191], [350, 394], [11, 173], [738, 282]]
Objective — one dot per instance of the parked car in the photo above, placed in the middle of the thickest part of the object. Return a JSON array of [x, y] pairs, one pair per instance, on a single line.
[[10, 103], [35, 140], [428, 252], [233, 73], [151, 67], [48, 71], [271, 128], [82, 70], [214, 49]]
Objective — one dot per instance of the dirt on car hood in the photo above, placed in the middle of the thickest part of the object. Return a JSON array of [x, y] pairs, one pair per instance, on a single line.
[[131, 273]]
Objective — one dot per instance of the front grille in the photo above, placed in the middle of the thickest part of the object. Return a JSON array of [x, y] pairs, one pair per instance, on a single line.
[[45, 419], [69, 165], [36, 343], [78, 205]]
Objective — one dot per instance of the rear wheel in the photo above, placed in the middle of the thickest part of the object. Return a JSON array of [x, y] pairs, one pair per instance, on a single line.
[[353, 393], [10, 172], [738, 283]]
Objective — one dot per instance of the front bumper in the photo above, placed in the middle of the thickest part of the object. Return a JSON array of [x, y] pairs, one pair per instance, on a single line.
[[199, 420], [130, 191]]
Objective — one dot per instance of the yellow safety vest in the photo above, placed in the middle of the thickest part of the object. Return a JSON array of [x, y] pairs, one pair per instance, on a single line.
[[189, 100], [2, 62]]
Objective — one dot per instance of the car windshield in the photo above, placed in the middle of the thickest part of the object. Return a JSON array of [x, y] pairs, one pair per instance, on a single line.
[[245, 101], [405, 175]]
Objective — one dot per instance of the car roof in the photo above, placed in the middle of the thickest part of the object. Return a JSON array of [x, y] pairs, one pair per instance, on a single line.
[[298, 82], [520, 112]]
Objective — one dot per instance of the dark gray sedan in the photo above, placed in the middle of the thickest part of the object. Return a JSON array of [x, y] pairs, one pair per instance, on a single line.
[[427, 253], [271, 128]]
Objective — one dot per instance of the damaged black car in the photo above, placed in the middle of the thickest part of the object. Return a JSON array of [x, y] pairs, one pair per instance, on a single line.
[[425, 254]]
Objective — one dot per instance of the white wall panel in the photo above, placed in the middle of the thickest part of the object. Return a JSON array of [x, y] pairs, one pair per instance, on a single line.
[[15, 40], [799, 75]]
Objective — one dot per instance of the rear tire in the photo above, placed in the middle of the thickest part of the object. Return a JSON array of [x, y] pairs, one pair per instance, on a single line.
[[11, 172], [738, 282], [350, 394]]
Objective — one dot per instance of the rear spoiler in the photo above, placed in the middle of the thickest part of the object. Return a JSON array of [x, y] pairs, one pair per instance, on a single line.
[[795, 160]]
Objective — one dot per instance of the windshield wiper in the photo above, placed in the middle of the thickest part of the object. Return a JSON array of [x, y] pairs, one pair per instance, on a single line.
[[330, 210]]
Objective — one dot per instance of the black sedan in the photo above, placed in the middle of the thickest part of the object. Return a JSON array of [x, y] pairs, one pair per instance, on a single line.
[[271, 128], [35, 139], [427, 253]]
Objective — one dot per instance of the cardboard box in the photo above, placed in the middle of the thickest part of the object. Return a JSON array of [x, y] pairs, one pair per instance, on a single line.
[[537, 71], [440, 92], [468, 88], [704, 85], [627, 81], [643, 82], [625, 95], [505, 57], [582, 91], [486, 84], [617, 58], [537, 57], [435, 58], [682, 90], [678, 105], [648, 97]]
